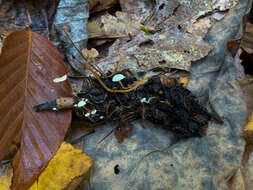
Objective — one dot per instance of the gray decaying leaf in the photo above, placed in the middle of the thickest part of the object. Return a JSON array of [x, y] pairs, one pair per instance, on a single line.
[[170, 46], [170, 49], [72, 16], [49, 18]]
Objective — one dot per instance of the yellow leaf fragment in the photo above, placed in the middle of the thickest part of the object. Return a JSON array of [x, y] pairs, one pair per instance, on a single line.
[[67, 169], [5, 179], [249, 125], [237, 182], [184, 81], [248, 130]]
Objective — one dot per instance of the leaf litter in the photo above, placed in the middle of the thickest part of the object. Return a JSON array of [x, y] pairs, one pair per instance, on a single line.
[[146, 52], [29, 63], [168, 47]]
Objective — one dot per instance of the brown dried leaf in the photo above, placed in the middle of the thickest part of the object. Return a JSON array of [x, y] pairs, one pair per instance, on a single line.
[[93, 3], [123, 131], [200, 27], [28, 65]]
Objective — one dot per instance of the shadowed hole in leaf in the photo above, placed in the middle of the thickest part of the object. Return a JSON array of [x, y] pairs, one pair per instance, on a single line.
[[114, 9], [147, 44], [162, 62], [187, 51], [161, 6], [247, 60], [102, 46]]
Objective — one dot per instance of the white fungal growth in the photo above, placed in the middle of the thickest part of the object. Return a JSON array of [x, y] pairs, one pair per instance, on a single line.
[[144, 100], [93, 112], [87, 114], [82, 103], [118, 77], [60, 79]]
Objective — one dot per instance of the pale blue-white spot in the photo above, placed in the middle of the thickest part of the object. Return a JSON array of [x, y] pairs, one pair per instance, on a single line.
[[93, 112], [82, 103], [118, 77]]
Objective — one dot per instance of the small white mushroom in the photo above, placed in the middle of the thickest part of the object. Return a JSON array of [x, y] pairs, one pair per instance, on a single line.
[[93, 112], [82, 103], [60, 79], [87, 114], [118, 77], [144, 100]]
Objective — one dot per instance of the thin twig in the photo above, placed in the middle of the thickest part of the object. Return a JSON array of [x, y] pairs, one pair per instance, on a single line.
[[80, 53], [82, 137]]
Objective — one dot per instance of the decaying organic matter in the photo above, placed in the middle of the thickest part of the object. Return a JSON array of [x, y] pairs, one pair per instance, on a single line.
[[134, 95], [130, 94], [175, 108]]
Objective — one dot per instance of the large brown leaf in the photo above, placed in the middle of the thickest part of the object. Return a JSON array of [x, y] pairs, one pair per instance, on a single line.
[[28, 65]]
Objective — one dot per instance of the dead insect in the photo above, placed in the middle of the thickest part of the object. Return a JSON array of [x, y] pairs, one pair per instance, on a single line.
[[128, 95]]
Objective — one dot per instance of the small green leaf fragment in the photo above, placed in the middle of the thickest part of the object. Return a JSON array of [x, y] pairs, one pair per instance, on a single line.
[[144, 28]]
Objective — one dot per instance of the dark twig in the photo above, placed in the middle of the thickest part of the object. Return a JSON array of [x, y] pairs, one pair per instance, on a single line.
[[82, 137]]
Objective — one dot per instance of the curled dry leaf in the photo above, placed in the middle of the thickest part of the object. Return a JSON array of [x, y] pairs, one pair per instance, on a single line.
[[28, 65], [90, 54]]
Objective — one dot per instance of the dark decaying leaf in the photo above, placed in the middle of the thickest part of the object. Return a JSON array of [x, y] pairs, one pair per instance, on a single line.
[[28, 65]]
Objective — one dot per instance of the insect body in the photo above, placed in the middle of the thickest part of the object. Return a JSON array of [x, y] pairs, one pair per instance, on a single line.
[[174, 108], [128, 95]]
